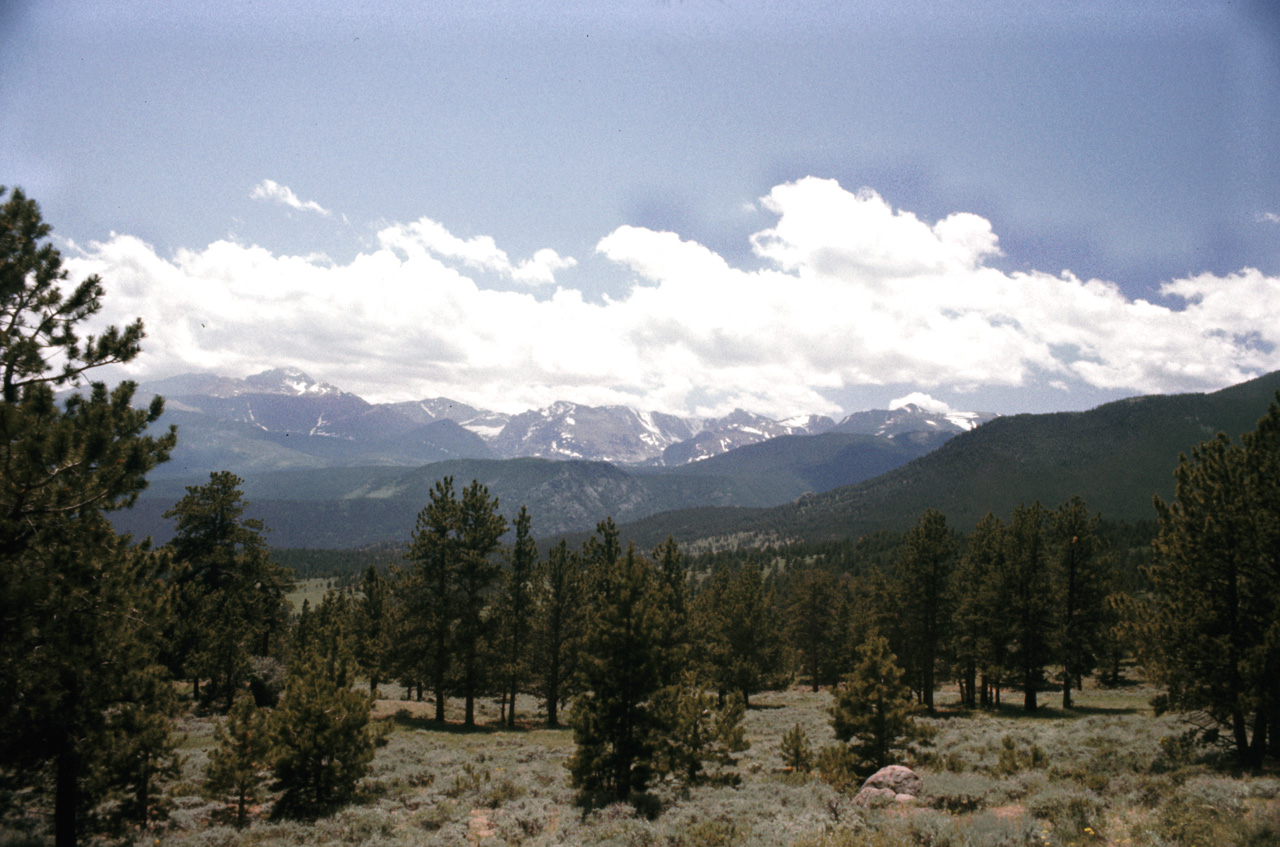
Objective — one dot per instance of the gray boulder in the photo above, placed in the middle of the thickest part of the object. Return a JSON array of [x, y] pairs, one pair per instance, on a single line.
[[895, 783]]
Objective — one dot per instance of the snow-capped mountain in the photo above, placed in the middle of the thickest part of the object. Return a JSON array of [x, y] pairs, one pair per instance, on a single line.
[[738, 429], [289, 382], [284, 417], [910, 418], [603, 433]]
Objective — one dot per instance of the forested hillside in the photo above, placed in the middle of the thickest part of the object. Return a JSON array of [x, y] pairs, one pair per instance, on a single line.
[[1117, 457]]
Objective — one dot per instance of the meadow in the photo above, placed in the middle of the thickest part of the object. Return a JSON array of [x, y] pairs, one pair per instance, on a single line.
[[1106, 773]]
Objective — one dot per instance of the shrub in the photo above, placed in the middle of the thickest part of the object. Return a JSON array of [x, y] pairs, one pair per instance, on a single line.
[[1070, 810], [838, 767], [1011, 759], [471, 779], [503, 793], [796, 752], [958, 793], [713, 832]]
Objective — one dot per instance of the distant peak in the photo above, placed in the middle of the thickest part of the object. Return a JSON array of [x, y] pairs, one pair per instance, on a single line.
[[288, 381], [918, 401]]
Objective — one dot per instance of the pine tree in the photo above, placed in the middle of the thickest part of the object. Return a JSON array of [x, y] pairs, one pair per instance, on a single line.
[[873, 711], [673, 583], [739, 631], [230, 588], [558, 626], [238, 765], [1079, 575], [981, 628], [1210, 630], [694, 731], [797, 754], [373, 625], [812, 629], [614, 725], [480, 530], [515, 613], [430, 589], [321, 743], [79, 609], [925, 564], [1029, 596]]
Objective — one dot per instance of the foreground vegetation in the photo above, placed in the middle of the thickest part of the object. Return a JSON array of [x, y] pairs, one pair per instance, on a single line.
[[1107, 772]]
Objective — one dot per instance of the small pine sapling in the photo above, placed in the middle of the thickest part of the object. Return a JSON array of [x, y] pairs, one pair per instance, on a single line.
[[873, 711], [321, 742], [238, 766], [797, 755], [696, 733]]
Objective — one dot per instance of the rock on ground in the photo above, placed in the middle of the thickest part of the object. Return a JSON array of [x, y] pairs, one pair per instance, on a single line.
[[894, 783]]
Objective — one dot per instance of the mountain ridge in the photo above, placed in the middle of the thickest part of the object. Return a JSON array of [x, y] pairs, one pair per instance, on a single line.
[[298, 415], [1117, 456]]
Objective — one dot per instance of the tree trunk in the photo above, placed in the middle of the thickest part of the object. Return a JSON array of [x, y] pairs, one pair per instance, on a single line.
[[1240, 733], [926, 681], [66, 798], [1273, 735], [1258, 748], [1066, 689]]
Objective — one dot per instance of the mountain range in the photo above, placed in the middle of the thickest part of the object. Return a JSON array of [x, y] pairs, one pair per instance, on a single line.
[[325, 468], [283, 419]]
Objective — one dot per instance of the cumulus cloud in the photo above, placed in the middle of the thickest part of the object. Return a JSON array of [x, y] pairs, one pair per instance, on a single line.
[[1267, 218], [852, 293], [273, 191], [479, 253]]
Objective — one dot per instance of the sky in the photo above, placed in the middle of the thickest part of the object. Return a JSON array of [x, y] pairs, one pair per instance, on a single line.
[[789, 207]]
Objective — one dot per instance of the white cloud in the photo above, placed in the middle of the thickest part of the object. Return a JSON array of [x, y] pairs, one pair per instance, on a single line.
[[922, 400], [854, 293], [1267, 218], [271, 190], [479, 253]]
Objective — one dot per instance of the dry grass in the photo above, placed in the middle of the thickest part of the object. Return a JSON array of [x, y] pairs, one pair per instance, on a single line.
[[1096, 776]]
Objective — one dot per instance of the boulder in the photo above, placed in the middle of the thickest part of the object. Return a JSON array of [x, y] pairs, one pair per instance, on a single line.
[[894, 783]]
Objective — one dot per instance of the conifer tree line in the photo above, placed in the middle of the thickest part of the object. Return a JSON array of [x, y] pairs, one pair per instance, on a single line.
[[1021, 603], [650, 658]]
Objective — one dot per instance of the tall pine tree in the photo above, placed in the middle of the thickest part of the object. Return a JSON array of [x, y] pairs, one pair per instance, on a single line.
[[1028, 592], [559, 618], [429, 589], [1079, 587], [614, 724], [515, 614], [79, 609], [230, 588], [1209, 631], [925, 564]]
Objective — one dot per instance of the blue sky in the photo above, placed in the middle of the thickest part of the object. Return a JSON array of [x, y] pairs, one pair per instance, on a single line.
[[684, 206]]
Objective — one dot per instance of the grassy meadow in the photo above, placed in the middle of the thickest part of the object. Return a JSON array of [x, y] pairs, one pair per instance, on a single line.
[[1106, 773]]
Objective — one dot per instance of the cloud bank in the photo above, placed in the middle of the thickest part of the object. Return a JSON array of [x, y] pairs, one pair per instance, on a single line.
[[852, 293]]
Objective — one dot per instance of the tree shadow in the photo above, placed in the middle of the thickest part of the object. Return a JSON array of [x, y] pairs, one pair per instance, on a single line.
[[406, 720]]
